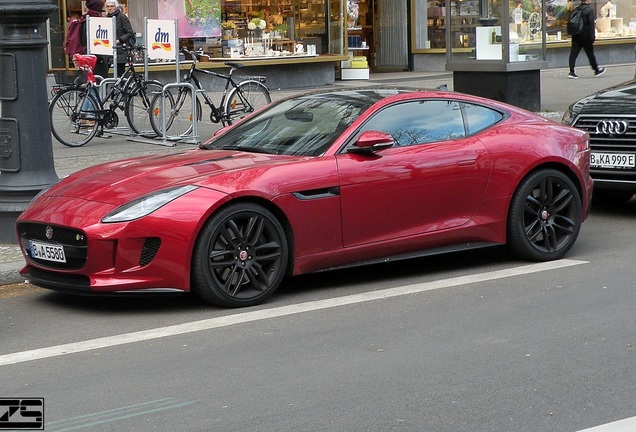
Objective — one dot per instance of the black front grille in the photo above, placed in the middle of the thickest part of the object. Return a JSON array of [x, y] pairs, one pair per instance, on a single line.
[[607, 142], [72, 240], [58, 281]]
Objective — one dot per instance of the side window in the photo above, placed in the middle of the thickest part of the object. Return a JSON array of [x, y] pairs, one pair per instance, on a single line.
[[419, 122], [479, 117]]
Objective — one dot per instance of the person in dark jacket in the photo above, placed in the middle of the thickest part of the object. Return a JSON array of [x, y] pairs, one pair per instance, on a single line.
[[124, 34], [95, 9], [585, 40]]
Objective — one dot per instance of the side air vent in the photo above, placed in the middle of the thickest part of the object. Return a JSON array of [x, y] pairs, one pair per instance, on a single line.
[[149, 251]]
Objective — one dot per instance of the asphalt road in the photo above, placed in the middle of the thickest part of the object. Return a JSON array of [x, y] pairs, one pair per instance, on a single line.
[[462, 342]]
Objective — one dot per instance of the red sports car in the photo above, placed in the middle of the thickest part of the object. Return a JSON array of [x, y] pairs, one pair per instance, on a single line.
[[313, 182]]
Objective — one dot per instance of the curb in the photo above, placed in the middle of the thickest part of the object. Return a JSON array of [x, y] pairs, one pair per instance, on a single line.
[[10, 273]]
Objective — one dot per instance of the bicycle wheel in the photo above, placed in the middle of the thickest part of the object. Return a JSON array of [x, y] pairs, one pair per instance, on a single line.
[[244, 99], [179, 113], [73, 117], [137, 108]]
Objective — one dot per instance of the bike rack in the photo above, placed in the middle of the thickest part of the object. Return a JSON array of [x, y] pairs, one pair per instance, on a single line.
[[193, 136], [102, 91]]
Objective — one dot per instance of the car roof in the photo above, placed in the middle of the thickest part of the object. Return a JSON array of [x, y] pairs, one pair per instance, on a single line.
[[370, 95]]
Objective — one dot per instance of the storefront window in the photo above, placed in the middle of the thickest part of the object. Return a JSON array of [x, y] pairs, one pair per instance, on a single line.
[[473, 28], [263, 26], [614, 20], [289, 24]]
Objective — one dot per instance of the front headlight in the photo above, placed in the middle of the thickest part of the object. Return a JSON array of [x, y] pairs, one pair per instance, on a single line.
[[145, 205], [568, 117], [573, 110]]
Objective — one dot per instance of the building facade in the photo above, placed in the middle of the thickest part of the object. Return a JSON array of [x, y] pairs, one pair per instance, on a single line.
[[389, 35]]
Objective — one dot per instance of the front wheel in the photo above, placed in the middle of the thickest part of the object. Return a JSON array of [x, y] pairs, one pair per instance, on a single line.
[[74, 117], [240, 257], [138, 107], [545, 216], [244, 99]]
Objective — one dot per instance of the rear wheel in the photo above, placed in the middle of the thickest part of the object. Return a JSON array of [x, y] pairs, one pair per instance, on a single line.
[[545, 216], [248, 97], [179, 113], [73, 117], [138, 108], [240, 257]]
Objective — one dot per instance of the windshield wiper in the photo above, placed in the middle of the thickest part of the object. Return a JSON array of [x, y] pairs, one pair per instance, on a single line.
[[247, 149]]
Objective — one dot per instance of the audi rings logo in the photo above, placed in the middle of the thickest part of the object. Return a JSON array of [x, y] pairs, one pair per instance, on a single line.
[[612, 127]]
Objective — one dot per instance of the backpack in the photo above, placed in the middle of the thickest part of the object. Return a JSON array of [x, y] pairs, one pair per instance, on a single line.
[[73, 40], [575, 23]]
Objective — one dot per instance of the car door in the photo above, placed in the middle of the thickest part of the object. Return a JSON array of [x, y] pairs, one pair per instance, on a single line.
[[431, 180]]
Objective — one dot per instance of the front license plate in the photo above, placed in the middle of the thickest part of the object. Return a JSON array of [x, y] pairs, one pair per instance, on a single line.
[[46, 251], [613, 160]]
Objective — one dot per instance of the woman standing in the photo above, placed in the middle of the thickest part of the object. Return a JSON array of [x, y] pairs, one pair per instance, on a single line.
[[124, 34]]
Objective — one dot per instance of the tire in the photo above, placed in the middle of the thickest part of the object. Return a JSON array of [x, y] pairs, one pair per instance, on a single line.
[[613, 198], [545, 216], [240, 257], [253, 92], [137, 108], [180, 117], [70, 124]]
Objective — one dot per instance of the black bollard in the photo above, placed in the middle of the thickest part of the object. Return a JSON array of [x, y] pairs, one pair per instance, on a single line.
[[26, 150]]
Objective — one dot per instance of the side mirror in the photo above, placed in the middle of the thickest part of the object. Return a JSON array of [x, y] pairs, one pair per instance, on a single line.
[[372, 141]]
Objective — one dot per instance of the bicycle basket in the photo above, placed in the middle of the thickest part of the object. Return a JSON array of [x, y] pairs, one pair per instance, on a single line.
[[68, 77]]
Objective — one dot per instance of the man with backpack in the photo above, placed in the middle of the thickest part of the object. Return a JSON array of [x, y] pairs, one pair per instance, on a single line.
[[73, 40], [95, 9], [582, 27]]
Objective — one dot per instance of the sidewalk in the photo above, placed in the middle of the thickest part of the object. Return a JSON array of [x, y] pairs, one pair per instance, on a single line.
[[557, 92]]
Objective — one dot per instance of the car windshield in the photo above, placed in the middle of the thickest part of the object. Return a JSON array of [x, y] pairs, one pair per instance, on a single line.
[[303, 126]]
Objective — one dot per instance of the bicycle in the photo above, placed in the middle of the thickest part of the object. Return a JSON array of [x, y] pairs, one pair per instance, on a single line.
[[78, 113], [237, 100]]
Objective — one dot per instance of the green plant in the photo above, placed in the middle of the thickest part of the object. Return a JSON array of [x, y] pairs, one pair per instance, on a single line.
[[256, 23]]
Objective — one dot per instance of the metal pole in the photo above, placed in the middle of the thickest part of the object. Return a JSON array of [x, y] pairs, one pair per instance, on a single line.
[[26, 151]]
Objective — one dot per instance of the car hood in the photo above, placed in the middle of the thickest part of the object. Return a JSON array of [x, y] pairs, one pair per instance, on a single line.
[[121, 181], [619, 99]]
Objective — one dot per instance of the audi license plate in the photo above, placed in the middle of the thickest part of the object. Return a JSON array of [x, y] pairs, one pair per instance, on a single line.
[[47, 251], [613, 160]]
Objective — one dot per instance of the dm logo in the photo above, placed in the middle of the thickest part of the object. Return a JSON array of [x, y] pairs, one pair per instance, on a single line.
[[101, 37], [162, 41]]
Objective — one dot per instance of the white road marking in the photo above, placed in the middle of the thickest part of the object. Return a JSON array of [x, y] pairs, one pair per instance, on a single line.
[[212, 323], [626, 425]]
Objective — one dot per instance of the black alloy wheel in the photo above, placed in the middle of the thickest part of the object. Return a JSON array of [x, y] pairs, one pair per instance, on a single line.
[[240, 257], [545, 216]]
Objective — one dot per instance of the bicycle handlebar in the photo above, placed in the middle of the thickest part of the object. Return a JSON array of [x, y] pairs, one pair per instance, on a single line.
[[195, 58]]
